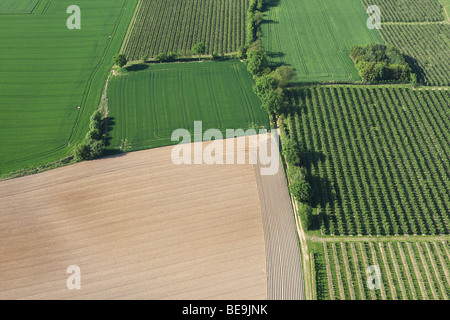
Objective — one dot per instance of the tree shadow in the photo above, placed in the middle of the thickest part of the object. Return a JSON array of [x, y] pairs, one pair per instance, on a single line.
[[269, 21], [137, 67], [275, 54], [270, 4], [108, 124], [416, 68]]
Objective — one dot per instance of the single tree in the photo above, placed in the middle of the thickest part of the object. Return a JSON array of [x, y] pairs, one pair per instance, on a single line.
[[273, 101], [284, 74], [292, 152], [82, 152], [161, 57], [264, 85], [120, 60], [257, 62], [199, 48]]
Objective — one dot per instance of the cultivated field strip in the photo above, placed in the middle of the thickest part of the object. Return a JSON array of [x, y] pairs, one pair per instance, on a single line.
[[427, 48], [379, 158], [284, 266], [217, 93], [408, 10], [138, 226], [40, 120], [315, 37], [409, 270], [163, 26]]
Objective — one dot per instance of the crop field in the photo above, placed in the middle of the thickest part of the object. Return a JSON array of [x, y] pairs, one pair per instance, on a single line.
[[378, 158], [48, 71], [315, 37], [408, 270], [446, 4], [18, 6], [162, 26], [163, 232], [408, 10], [147, 106], [428, 48]]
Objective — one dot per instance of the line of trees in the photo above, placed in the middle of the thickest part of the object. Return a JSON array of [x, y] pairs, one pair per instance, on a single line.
[[94, 143], [270, 86]]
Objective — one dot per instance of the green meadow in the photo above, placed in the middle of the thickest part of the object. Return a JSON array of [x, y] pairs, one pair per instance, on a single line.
[[18, 6], [147, 106], [48, 71], [315, 37]]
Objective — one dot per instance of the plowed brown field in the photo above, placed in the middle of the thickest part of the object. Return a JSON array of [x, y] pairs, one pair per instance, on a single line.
[[138, 226]]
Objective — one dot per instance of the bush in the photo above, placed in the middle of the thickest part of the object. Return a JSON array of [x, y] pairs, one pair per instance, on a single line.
[[120, 60], [291, 151], [82, 152], [301, 190], [273, 101], [257, 62], [94, 134], [283, 75], [264, 85], [215, 56], [305, 213], [242, 52], [161, 57]]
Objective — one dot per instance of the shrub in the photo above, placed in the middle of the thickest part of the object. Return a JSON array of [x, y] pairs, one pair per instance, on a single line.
[[257, 62], [301, 190], [305, 213], [284, 74], [120, 60], [264, 85], [291, 151], [273, 101]]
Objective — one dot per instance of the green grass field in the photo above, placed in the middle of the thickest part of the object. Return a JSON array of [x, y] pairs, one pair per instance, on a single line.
[[47, 71], [315, 37], [18, 6], [147, 106]]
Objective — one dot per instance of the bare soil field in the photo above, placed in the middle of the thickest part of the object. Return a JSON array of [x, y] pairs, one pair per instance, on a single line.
[[138, 226]]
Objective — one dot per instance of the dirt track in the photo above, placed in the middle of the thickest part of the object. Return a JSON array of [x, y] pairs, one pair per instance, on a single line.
[[138, 226]]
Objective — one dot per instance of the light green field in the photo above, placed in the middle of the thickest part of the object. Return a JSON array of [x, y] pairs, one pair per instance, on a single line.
[[18, 6], [315, 37], [47, 71], [147, 106]]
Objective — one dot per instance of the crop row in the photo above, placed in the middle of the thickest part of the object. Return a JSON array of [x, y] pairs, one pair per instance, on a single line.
[[408, 10], [378, 158], [163, 26], [408, 270], [427, 48]]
